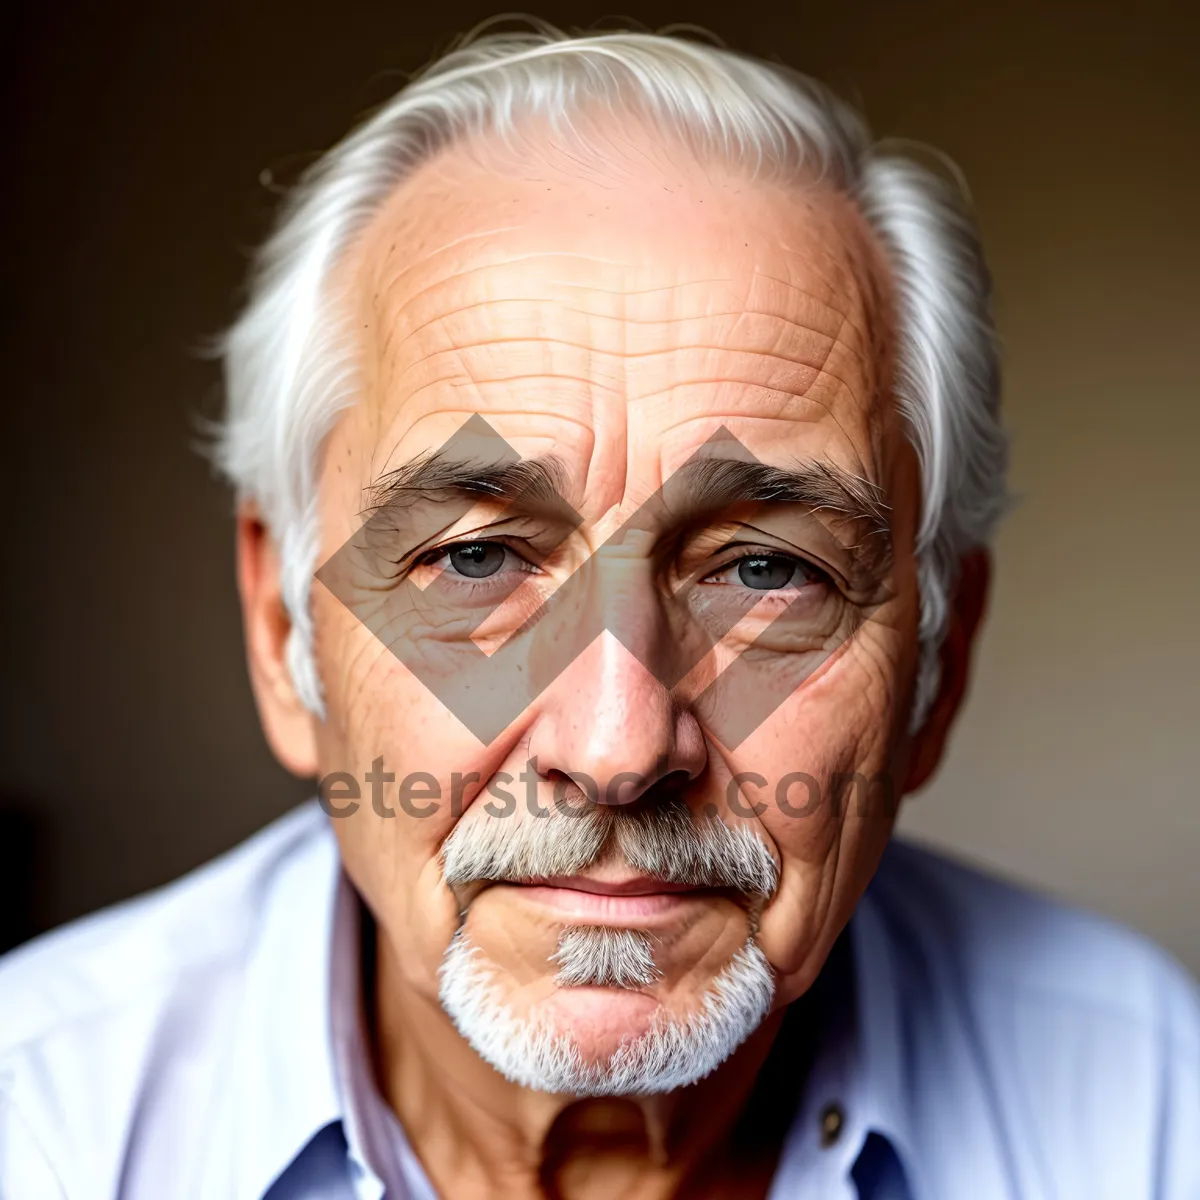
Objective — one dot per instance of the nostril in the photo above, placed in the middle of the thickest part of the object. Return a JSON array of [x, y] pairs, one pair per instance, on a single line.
[[637, 792], [576, 790], [672, 783]]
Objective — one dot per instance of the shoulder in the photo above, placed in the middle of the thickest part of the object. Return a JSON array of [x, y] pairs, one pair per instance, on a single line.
[[114, 958], [1011, 940], [1048, 1029], [143, 1000]]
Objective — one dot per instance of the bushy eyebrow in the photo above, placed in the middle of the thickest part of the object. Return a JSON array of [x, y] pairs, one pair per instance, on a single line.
[[701, 487], [438, 476], [713, 485]]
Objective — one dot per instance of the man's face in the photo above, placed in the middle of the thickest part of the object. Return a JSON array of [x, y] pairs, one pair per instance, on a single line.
[[724, 645]]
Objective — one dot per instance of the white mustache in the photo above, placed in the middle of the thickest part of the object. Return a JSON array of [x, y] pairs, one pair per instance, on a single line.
[[661, 839]]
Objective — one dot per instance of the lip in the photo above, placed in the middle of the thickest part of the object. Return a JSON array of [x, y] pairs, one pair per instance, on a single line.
[[638, 900], [634, 885]]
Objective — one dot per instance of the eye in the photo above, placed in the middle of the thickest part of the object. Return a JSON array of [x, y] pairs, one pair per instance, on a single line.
[[476, 560], [765, 572], [477, 567]]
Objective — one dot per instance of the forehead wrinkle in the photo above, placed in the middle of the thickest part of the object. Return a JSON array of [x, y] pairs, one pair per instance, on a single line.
[[477, 270], [389, 311], [385, 302], [433, 189], [805, 373], [818, 367], [712, 316], [462, 309], [833, 338], [845, 320], [769, 335], [628, 293], [834, 275], [389, 345], [791, 329], [712, 408], [754, 273], [467, 413], [479, 385], [388, 284], [807, 295], [847, 278], [422, 260], [755, 283], [842, 277], [712, 414], [545, 304], [778, 389]]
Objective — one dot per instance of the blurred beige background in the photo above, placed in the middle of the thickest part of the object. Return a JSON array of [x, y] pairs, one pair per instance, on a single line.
[[136, 137]]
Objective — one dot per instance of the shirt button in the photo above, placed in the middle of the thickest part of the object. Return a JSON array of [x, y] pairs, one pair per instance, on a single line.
[[833, 1118]]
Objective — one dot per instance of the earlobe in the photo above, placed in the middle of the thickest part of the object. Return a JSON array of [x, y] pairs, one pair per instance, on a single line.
[[288, 725], [966, 617]]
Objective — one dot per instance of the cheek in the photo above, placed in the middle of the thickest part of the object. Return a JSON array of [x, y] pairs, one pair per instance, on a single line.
[[828, 805], [416, 768]]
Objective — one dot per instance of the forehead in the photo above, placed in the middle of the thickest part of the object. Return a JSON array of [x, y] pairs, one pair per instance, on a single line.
[[617, 314]]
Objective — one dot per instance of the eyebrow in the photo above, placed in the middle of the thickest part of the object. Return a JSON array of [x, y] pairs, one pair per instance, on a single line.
[[717, 484], [700, 486], [437, 476]]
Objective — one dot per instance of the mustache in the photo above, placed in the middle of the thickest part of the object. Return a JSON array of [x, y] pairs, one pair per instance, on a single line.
[[661, 838]]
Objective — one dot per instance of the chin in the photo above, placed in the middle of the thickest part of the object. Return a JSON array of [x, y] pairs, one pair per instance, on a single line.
[[604, 1041], [597, 1020]]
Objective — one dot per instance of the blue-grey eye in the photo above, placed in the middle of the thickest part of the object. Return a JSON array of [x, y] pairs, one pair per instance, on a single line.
[[476, 560], [766, 572]]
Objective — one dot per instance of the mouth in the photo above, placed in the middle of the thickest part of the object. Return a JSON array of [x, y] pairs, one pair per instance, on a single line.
[[633, 899]]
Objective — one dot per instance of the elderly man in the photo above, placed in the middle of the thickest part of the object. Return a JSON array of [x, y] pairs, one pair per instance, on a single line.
[[617, 444]]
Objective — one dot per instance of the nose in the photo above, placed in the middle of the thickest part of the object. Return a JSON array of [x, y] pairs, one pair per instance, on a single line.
[[611, 727]]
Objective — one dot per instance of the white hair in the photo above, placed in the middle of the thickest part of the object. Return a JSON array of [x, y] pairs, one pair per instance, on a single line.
[[673, 1053], [663, 839], [289, 358], [603, 956]]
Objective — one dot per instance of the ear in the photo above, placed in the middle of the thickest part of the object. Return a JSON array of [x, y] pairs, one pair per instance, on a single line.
[[289, 726], [966, 616]]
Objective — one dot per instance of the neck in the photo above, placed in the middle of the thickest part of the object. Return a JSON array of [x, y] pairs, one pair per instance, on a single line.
[[478, 1134]]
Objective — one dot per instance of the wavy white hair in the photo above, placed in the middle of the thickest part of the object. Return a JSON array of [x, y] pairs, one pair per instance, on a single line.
[[289, 361]]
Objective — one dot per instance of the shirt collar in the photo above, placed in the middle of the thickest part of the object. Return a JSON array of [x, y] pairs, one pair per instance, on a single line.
[[380, 1158], [879, 1056], [919, 1041], [301, 1051], [286, 1088], [301, 1055]]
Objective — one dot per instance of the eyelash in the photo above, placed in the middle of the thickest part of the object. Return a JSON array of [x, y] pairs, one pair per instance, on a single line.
[[812, 573], [432, 557]]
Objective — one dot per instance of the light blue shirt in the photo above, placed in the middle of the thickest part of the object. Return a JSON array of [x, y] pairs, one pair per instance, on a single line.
[[205, 1041]]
